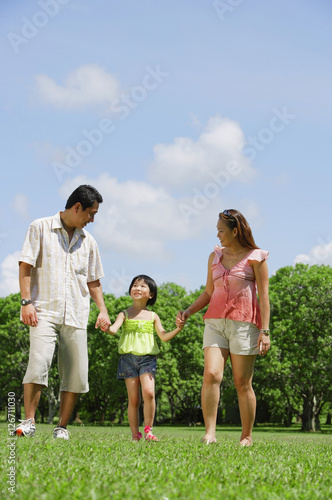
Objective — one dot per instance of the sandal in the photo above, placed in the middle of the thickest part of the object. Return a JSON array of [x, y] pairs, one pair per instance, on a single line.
[[137, 437], [148, 436]]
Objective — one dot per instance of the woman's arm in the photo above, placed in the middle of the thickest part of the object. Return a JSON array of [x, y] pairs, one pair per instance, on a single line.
[[203, 299], [262, 280], [162, 334]]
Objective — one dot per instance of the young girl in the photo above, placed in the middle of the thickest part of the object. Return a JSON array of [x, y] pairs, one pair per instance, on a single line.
[[138, 349]]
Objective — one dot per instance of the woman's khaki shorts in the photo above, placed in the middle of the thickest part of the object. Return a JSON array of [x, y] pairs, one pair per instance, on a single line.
[[238, 337], [72, 356]]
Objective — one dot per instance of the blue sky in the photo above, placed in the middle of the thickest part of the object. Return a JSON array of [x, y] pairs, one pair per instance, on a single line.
[[174, 111]]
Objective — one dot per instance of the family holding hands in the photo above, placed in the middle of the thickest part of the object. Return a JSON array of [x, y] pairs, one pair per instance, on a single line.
[[60, 268]]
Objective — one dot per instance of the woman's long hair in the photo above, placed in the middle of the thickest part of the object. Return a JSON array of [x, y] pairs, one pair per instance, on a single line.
[[234, 218]]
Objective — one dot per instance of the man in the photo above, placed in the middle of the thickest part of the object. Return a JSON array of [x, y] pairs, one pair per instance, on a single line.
[[59, 269]]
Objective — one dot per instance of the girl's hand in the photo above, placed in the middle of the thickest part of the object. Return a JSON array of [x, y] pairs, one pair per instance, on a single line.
[[104, 325], [181, 319]]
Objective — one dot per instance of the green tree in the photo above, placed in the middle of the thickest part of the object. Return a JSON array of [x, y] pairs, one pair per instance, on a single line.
[[14, 348], [300, 366], [106, 398], [180, 363]]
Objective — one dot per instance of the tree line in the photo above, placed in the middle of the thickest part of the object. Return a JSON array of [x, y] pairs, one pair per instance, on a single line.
[[293, 380]]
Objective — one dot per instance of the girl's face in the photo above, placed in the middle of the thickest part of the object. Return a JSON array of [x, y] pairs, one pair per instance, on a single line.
[[140, 290], [225, 235]]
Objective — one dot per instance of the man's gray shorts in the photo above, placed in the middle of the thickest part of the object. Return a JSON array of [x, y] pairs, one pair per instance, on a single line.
[[72, 356]]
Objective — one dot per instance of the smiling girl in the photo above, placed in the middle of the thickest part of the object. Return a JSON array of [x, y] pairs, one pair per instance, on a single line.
[[139, 349]]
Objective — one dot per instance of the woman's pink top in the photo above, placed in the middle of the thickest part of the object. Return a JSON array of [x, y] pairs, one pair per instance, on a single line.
[[235, 295]]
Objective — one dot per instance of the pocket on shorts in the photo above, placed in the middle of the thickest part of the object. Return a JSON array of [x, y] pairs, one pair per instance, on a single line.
[[125, 368]]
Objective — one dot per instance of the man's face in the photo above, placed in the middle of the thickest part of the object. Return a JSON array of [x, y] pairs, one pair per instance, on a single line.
[[84, 217]]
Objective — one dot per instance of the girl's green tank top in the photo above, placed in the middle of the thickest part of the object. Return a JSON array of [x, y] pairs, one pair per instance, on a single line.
[[137, 337]]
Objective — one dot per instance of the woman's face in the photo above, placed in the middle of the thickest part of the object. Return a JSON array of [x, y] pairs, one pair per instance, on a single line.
[[225, 235]]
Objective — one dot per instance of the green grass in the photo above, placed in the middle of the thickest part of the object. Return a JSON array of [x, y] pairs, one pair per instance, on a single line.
[[102, 463]]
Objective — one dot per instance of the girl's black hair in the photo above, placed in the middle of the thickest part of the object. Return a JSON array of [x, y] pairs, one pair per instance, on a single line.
[[151, 284]]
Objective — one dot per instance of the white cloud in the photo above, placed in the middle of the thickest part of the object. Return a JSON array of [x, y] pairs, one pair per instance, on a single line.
[[216, 153], [20, 205], [319, 254], [87, 86], [141, 220], [9, 275]]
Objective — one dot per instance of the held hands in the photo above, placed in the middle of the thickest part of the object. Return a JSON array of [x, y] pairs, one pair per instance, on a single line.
[[103, 322], [181, 319]]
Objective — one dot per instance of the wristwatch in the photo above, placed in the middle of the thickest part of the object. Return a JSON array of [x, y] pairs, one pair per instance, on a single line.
[[267, 331], [25, 302]]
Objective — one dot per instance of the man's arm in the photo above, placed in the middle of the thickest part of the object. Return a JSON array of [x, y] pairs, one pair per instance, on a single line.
[[96, 293], [29, 315]]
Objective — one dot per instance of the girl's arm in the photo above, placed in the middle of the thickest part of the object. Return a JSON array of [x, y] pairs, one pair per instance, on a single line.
[[164, 336], [112, 329], [203, 299]]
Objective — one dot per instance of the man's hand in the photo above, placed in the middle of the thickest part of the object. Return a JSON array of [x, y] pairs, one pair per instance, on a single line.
[[29, 315], [103, 322]]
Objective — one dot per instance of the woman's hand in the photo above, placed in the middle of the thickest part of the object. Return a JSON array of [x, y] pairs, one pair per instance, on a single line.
[[181, 318], [263, 344]]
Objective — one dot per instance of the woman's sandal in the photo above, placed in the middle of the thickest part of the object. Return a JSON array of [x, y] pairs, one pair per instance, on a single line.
[[137, 437], [148, 436]]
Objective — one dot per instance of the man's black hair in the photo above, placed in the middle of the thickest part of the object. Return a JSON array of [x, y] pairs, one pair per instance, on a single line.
[[85, 195]]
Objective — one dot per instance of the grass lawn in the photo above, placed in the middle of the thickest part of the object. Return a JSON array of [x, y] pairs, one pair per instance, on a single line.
[[102, 463]]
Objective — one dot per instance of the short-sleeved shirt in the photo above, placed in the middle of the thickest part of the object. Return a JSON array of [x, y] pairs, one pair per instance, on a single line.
[[137, 337], [235, 292], [61, 271]]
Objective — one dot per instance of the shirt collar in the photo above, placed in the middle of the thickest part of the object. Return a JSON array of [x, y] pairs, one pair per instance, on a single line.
[[57, 224]]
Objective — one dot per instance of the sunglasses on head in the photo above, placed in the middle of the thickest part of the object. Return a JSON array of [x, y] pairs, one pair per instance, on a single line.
[[228, 214]]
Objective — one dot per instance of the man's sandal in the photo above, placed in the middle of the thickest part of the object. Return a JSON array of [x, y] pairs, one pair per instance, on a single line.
[[148, 436]]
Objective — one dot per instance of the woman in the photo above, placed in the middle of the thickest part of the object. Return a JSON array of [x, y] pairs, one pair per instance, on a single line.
[[236, 325]]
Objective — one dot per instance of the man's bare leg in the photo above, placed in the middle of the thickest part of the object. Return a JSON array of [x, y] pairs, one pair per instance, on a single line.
[[67, 404], [32, 393]]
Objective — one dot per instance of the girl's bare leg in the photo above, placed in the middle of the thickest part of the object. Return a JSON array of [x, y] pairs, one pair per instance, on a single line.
[[148, 394], [134, 400]]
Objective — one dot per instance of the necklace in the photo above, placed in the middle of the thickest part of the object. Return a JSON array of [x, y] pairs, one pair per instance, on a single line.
[[233, 257]]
